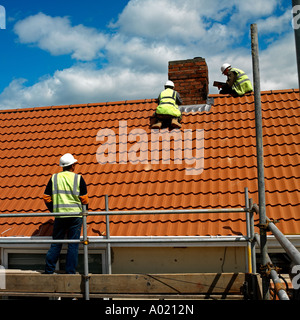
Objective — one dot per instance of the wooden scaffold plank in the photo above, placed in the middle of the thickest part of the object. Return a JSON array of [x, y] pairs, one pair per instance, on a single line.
[[144, 284]]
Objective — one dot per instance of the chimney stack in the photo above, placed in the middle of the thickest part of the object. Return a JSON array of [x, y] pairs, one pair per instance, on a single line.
[[191, 79]]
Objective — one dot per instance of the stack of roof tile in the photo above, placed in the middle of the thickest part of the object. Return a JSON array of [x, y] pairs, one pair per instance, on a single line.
[[32, 141]]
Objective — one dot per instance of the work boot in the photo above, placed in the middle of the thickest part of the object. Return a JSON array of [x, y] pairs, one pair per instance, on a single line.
[[175, 123], [157, 125]]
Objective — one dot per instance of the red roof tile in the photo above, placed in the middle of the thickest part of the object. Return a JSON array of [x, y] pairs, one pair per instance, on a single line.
[[32, 141]]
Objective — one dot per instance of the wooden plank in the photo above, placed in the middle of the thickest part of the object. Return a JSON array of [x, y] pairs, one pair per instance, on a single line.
[[194, 283], [122, 296], [43, 283]]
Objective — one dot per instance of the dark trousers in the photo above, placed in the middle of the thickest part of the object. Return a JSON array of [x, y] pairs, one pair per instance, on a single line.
[[164, 118], [228, 90], [72, 228]]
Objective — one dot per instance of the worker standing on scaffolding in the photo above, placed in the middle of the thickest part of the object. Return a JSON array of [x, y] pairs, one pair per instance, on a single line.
[[65, 192]]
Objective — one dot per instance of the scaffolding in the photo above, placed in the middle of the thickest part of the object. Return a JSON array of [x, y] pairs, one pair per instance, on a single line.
[[251, 238]]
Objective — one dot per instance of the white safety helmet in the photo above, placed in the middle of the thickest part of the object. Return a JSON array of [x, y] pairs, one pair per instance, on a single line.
[[169, 83], [224, 67], [67, 160]]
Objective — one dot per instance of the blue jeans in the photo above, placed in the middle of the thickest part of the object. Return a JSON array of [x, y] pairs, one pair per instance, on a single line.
[[72, 228]]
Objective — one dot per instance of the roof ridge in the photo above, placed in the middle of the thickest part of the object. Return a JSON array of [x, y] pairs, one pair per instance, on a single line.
[[94, 104], [276, 91], [126, 102]]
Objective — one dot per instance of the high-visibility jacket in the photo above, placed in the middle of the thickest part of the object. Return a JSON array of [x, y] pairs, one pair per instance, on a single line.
[[65, 192], [242, 83], [167, 103]]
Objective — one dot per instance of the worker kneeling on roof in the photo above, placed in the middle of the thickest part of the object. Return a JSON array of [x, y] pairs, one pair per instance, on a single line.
[[168, 102], [237, 83]]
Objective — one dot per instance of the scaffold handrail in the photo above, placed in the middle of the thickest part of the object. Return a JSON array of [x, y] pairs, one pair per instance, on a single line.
[[131, 212], [107, 240]]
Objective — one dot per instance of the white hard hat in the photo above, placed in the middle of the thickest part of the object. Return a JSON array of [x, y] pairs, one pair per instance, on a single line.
[[225, 66], [169, 83], [67, 160]]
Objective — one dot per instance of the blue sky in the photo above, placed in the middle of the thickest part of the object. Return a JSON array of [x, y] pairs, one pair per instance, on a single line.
[[71, 51]]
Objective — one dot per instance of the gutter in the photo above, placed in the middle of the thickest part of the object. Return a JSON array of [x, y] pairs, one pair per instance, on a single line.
[[150, 241], [138, 241]]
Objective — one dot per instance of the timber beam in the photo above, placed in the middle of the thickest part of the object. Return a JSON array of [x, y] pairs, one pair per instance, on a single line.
[[206, 285]]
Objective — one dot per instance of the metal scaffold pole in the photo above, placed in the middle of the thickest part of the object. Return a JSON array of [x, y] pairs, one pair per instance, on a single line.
[[85, 255], [280, 290], [296, 26], [249, 255], [108, 246], [260, 156]]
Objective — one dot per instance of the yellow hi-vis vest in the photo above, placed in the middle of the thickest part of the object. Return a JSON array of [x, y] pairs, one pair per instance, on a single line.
[[242, 84], [65, 192], [167, 104]]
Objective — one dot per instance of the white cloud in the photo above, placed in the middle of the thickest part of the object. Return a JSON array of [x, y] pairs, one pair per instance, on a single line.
[[138, 54], [177, 21], [161, 20], [275, 24], [146, 35], [256, 8], [56, 35], [82, 84], [278, 67], [2, 17]]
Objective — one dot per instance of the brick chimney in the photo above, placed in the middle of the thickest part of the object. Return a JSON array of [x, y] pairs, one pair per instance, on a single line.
[[191, 79]]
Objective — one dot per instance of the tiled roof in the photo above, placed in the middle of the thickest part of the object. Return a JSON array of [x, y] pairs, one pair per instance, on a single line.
[[32, 141]]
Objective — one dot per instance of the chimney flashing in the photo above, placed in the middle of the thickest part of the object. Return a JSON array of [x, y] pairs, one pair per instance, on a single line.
[[205, 107]]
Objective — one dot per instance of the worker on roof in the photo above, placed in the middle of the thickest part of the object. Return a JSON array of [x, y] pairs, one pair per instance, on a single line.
[[168, 102], [65, 192], [237, 83]]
